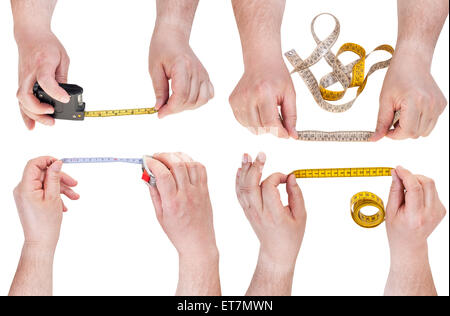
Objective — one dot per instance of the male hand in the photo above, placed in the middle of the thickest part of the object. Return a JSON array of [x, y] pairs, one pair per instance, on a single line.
[[39, 203], [265, 86], [409, 88], [42, 59], [412, 213], [171, 58], [182, 204], [279, 228]]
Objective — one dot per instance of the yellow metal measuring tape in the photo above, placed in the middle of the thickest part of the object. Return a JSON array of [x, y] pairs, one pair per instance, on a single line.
[[349, 76], [359, 200], [107, 113]]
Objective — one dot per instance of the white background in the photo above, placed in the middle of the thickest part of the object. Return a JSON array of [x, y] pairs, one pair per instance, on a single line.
[[111, 242]]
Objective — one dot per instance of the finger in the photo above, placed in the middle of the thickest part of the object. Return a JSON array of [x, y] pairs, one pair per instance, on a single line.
[[62, 71], [246, 164], [289, 113], [71, 194], [270, 118], [68, 180], [157, 203], [197, 173], [430, 127], [177, 167], [429, 189], [250, 182], [253, 118], [385, 118], [40, 118], [32, 174], [254, 172], [194, 90], [181, 83], [408, 124], [160, 85], [165, 182], [295, 198], [29, 123], [270, 194], [414, 195], [65, 209], [210, 89], [52, 186], [204, 94], [396, 195], [29, 102], [46, 79]]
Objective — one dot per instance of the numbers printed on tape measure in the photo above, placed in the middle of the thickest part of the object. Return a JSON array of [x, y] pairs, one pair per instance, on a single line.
[[102, 160], [351, 75], [108, 113], [359, 200]]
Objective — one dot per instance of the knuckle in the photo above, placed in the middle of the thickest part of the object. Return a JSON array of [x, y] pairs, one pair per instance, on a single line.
[[263, 87], [416, 188]]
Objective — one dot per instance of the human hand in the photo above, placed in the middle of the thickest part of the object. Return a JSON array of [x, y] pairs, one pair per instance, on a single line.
[[182, 204], [42, 59], [412, 213], [39, 203], [409, 88], [171, 58], [264, 87], [279, 228]]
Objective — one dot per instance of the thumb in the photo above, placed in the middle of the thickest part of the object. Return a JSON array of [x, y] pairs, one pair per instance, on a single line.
[[396, 195], [385, 118], [52, 185], [160, 86], [295, 198], [289, 113]]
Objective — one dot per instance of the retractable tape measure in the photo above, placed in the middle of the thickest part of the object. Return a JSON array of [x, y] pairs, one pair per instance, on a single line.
[[75, 109], [147, 175], [359, 200], [349, 76]]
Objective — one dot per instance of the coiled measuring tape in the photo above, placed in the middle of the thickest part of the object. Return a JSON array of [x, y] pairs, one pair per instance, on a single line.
[[147, 175], [349, 76], [74, 110], [359, 200]]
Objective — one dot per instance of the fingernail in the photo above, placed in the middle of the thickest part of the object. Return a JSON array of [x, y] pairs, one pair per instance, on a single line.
[[65, 99], [50, 111], [244, 159], [261, 157], [56, 166]]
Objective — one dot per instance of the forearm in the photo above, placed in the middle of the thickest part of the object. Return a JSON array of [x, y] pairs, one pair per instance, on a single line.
[[259, 24], [175, 15], [199, 276], [34, 276], [419, 25], [32, 15], [271, 279], [410, 274]]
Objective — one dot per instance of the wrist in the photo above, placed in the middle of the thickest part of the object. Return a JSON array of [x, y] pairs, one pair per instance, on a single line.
[[205, 258], [279, 265], [415, 52], [410, 256], [38, 252], [173, 29], [256, 57]]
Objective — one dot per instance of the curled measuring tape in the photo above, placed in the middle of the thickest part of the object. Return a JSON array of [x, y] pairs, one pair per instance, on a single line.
[[147, 175], [348, 76], [74, 110], [359, 200]]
